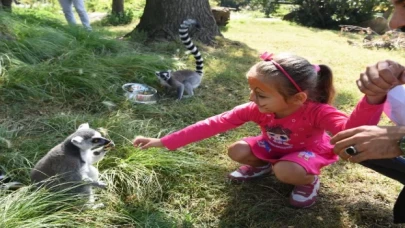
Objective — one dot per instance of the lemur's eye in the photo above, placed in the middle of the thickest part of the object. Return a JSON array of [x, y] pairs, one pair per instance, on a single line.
[[95, 140]]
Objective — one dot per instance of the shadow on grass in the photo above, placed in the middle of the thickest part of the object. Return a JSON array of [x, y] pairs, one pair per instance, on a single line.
[[264, 203], [370, 214], [148, 217]]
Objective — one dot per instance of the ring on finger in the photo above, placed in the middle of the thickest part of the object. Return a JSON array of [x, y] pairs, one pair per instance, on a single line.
[[351, 151]]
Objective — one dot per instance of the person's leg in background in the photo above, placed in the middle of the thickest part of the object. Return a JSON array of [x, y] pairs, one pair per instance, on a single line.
[[68, 11], [81, 10], [394, 169]]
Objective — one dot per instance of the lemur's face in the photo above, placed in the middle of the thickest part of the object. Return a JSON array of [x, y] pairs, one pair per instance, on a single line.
[[91, 143], [164, 75]]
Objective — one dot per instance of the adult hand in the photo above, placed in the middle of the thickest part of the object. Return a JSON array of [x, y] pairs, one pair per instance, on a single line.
[[371, 142], [145, 143], [379, 78]]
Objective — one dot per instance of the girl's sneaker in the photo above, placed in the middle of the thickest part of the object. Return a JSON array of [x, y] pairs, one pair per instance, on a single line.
[[247, 172], [305, 195]]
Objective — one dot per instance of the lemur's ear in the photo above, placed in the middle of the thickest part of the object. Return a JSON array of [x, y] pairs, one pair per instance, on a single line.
[[77, 140], [83, 126]]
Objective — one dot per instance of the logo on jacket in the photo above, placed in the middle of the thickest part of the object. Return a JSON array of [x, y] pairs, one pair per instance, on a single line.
[[306, 155], [279, 136]]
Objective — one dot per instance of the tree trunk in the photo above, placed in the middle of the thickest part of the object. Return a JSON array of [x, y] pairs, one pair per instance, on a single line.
[[6, 5], [161, 19], [117, 7]]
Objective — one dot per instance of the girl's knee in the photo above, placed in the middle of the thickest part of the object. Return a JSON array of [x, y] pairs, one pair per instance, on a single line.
[[241, 152], [238, 151], [289, 172]]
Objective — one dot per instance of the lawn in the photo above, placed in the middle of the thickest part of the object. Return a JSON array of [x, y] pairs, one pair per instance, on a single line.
[[54, 77]]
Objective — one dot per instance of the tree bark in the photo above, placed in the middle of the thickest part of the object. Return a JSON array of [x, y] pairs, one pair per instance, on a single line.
[[161, 19], [6, 5], [117, 7]]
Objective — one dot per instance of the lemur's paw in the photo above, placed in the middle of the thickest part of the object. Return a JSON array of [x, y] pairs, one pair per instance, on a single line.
[[102, 184], [97, 206], [87, 180], [94, 206]]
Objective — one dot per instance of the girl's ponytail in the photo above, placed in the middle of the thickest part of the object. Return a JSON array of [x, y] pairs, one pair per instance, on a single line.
[[324, 90]]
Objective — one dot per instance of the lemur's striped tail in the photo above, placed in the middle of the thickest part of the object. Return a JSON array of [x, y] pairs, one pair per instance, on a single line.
[[185, 39]]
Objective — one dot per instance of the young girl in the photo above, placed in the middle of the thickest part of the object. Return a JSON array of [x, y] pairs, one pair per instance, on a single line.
[[290, 101]]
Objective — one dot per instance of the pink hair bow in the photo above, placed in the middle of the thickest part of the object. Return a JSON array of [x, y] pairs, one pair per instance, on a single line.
[[317, 68], [266, 56]]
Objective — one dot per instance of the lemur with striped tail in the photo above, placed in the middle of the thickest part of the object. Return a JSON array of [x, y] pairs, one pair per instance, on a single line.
[[184, 80]]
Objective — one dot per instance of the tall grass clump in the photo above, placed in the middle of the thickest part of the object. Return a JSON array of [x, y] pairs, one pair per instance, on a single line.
[[59, 64], [139, 182], [29, 207]]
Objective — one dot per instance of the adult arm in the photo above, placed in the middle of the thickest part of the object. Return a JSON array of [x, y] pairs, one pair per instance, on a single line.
[[372, 142], [375, 142]]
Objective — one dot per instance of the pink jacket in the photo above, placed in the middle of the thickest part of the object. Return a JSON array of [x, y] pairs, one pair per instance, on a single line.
[[306, 129]]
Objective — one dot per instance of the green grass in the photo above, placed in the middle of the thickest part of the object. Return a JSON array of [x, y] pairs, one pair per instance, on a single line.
[[55, 77]]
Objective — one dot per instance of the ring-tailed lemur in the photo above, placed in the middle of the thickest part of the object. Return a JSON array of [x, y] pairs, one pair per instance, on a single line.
[[69, 164], [184, 80]]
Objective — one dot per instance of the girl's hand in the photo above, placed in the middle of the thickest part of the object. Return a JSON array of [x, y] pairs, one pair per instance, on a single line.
[[145, 143]]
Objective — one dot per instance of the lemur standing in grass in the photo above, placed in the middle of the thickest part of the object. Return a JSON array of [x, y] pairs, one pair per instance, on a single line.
[[184, 80], [69, 165]]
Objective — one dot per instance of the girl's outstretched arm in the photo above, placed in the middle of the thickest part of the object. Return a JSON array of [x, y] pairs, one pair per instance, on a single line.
[[204, 129], [213, 125], [145, 143]]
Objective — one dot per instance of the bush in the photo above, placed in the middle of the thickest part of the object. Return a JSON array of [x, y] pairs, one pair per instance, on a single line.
[[266, 6], [233, 3], [121, 18], [332, 13], [105, 5]]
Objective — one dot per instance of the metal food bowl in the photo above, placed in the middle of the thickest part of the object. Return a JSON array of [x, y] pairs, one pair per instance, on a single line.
[[140, 93]]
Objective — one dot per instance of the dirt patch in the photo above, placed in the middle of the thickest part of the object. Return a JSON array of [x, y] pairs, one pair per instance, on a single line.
[[96, 16]]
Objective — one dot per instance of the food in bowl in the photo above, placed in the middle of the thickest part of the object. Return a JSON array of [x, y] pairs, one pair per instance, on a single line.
[[140, 93]]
